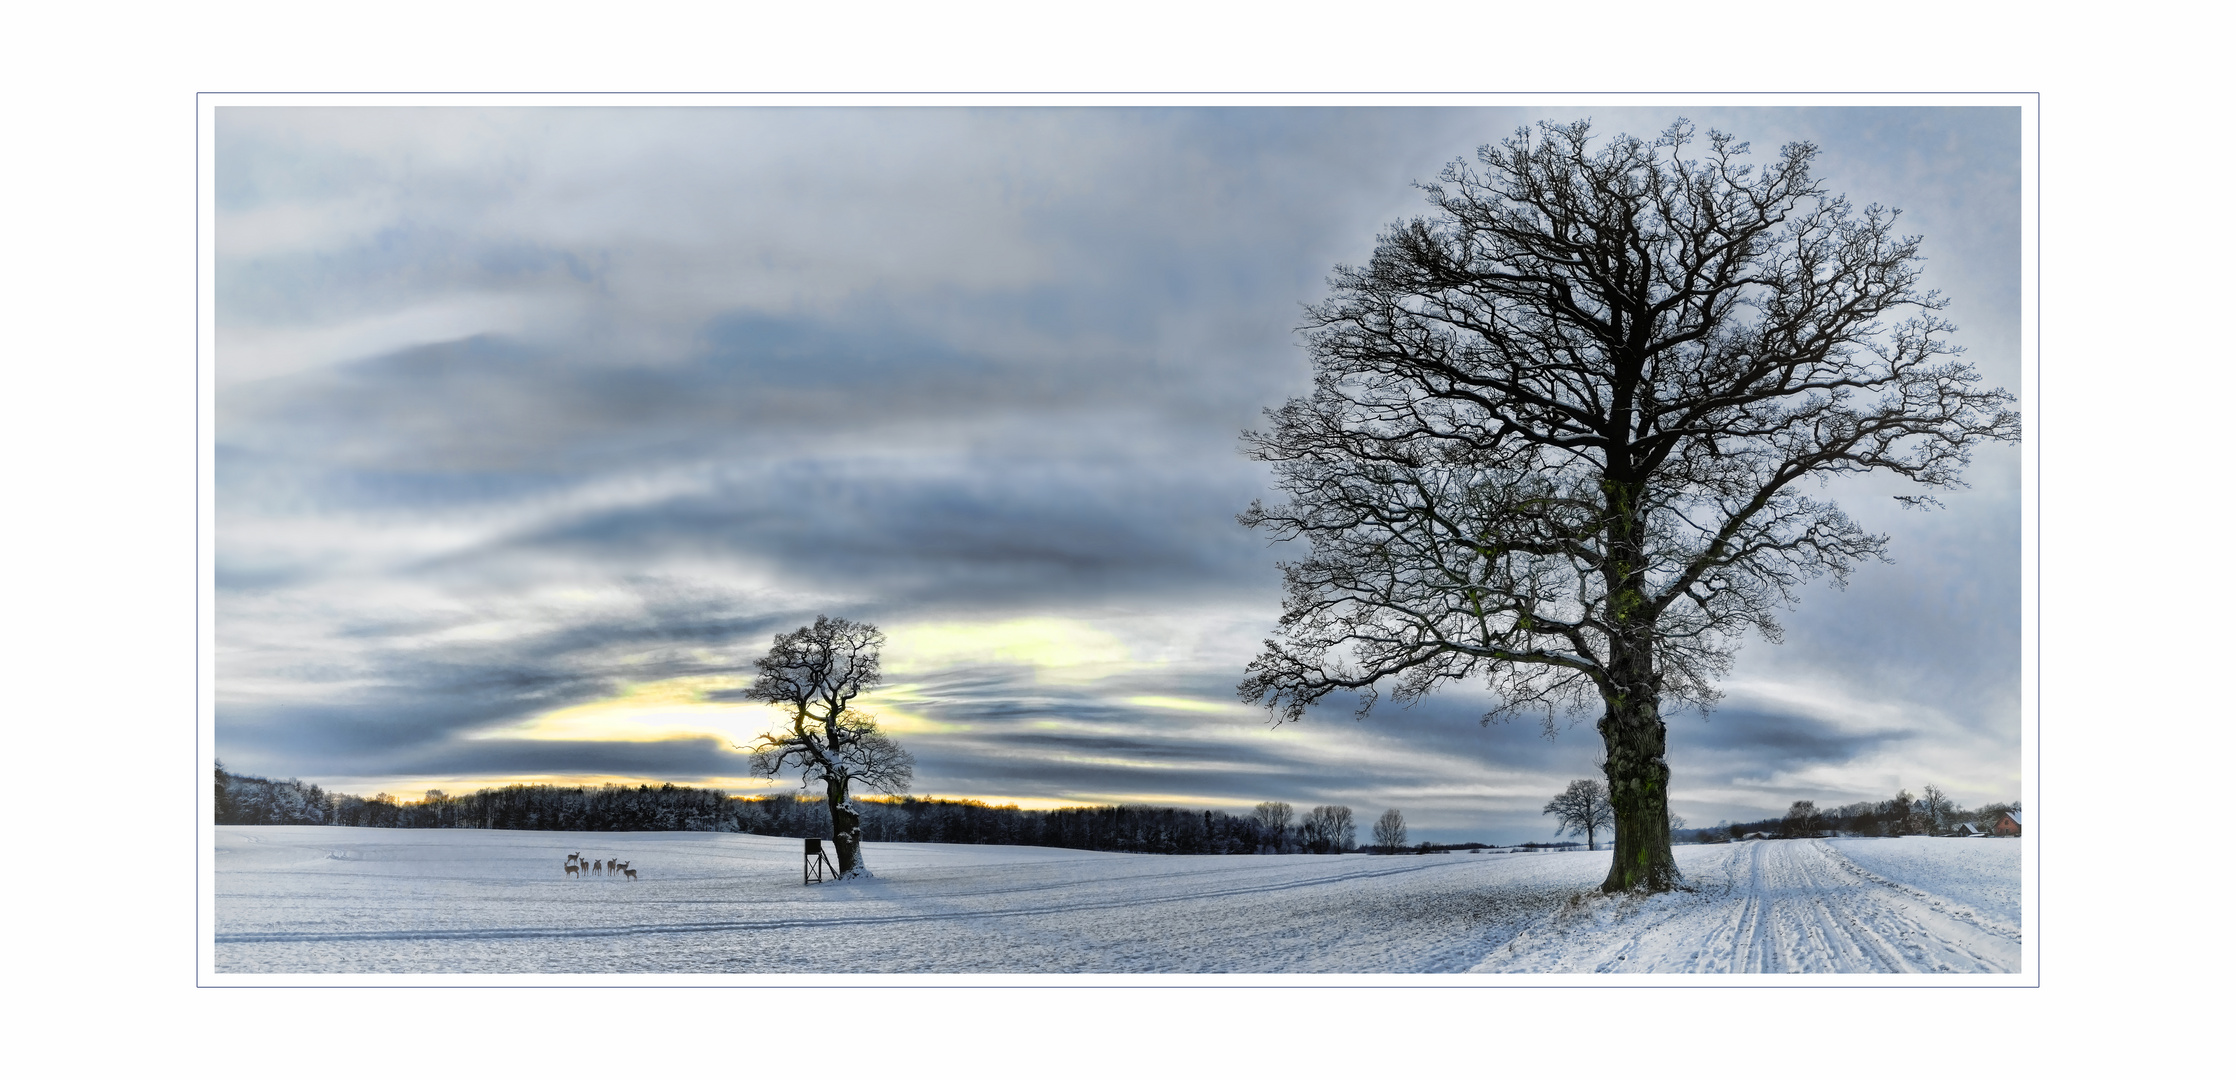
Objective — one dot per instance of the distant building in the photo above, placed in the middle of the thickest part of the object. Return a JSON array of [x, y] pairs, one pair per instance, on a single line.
[[2008, 825], [1968, 829]]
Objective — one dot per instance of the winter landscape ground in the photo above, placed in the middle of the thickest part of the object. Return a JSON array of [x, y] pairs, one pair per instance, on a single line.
[[321, 899]]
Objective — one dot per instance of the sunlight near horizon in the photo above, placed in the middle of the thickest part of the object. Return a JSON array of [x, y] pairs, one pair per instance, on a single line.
[[414, 789], [1059, 650], [658, 711]]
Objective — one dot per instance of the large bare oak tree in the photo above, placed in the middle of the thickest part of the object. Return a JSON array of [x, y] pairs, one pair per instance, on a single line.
[[1561, 430], [815, 673]]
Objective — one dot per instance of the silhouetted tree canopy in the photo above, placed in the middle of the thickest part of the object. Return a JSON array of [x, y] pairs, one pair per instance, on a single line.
[[1565, 431]]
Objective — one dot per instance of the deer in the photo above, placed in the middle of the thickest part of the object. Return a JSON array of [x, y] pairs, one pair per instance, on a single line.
[[631, 873], [573, 867]]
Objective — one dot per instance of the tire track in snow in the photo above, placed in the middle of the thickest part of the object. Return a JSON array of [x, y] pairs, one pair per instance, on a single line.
[[1767, 907], [1814, 916], [1826, 907], [1941, 904]]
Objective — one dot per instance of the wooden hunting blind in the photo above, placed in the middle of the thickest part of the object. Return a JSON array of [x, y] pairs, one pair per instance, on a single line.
[[815, 862]]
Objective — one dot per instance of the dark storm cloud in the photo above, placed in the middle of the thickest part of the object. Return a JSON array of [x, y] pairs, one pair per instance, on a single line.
[[410, 699], [1752, 736], [468, 418], [516, 407], [997, 536], [788, 410]]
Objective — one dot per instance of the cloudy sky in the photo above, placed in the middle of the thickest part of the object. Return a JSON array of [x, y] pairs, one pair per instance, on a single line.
[[534, 426]]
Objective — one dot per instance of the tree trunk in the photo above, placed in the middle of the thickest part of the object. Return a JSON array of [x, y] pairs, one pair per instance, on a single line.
[[1636, 740], [1632, 730], [1638, 784], [846, 828]]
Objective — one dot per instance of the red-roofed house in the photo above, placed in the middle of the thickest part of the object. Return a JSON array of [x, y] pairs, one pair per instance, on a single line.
[[2008, 825]]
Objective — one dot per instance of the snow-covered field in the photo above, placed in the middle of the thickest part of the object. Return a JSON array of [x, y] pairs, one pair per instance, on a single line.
[[313, 899]]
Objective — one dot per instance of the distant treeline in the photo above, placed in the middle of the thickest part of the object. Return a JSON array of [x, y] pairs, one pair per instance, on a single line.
[[251, 800], [1933, 814], [1160, 830]]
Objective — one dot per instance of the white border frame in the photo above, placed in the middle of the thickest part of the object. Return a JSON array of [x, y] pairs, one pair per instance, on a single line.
[[2030, 398]]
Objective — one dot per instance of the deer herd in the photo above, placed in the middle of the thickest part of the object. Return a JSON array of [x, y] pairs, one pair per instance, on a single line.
[[577, 866]]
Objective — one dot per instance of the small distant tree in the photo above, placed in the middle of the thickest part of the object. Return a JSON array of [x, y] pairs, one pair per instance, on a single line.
[[1328, 829], [1802, 818], [1273, 820], [1938, 810], [1343, 830], [1855, 818], [1389, 832], [1583, 810], [815, 673], [1895, 814]]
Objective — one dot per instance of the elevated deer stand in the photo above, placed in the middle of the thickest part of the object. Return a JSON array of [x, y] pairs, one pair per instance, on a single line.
[[815, 862]]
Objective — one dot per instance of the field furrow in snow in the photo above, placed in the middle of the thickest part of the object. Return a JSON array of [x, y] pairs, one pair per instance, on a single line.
[[310, 899]]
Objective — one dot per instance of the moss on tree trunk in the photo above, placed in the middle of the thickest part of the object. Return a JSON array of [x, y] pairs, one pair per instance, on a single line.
[[1637, 770]]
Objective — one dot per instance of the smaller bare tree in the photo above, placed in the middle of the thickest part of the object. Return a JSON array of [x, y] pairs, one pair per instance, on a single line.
[[1389, 832], [1273, 824], [1939, 810], [1900, 814], [815, 673], [1328, 830], [1802, 818], [1583, 810]]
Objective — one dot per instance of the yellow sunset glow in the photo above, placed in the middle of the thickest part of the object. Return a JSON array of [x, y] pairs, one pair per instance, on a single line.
[[684, 708], [1182, 704], [678, 708], [1058, 650]]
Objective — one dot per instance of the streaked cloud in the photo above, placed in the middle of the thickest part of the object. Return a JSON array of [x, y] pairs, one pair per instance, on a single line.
[[534, 425]]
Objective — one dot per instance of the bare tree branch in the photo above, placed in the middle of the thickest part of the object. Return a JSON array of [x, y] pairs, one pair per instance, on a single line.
[[1559, 432], [815, 673]]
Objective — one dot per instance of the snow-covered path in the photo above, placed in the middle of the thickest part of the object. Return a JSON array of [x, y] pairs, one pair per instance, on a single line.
[[311, 899], [1796, 906]]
